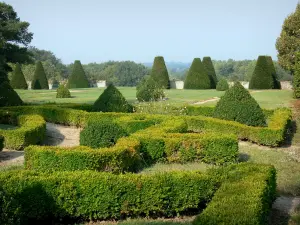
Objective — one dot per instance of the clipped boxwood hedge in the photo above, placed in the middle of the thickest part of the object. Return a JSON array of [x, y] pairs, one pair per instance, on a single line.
[[31, 130]]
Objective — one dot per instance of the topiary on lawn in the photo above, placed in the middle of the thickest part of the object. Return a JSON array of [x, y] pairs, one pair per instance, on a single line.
[[63, 92], [39, 78], [197, 77], [262, 77], [222, 85], [277, 84], [210, 70], [296, 79], [149, 90], [111, 100], [238, 105], [100, 134], [159, 72], [8, 96], [18, 80], [78, 78]]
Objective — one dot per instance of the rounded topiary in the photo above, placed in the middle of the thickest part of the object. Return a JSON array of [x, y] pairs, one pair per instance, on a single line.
[[100, 134], [210, 70], [238, 105], [111, 100], [39, 78], [18, 80], [149, 90], [159, 72], [8, 96], [222, 85], [197, 78], [63, 92], [78, 78]]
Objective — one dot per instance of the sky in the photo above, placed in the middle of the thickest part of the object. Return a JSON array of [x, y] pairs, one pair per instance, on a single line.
[[139, 30]]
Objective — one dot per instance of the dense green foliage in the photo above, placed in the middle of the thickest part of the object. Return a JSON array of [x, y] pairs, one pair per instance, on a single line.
[[296, 81], [78, 79], [149, 90], [197, 77], [159, 72], [63, 92], [288, 43], [222, 85], [40, 80], [1, 143], [18, 80], [100, 134], [238, 105], [9, 96], [277, 84], [111, 100], [210, 70]]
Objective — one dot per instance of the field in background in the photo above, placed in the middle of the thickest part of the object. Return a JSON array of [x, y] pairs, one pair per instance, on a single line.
[[266, 98]]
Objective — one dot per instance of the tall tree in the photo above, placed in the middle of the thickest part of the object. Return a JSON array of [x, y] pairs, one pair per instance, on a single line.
[[18, 80], [78, 78], [13, 32], [160, 73], [288, 42], [210, 70], [40, 80], [296, 81], [197, 78]]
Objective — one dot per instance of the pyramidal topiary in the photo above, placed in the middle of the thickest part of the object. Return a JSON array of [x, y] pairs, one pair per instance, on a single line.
[[210, 70], [78, 77], [111, 100], [39, 80], [18, 80], [262, 77], [8, 96], [63, 92], [272, 69], [238, 105], [159, 72], [197, 77], [296, 78]]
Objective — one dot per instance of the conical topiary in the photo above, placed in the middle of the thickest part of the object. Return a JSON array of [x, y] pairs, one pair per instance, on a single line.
[[159, 72], [277, 84], [238, 105], [8, 96], [39, 78], [197, 78], [111, 100], [18, 80], [222, 85], [210, 70], [262, 77], [78, 78], [63, 92]]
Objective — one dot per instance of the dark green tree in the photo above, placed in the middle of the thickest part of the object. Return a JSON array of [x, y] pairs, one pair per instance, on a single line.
[[276, 81], [159, 72], [210, 70], [296, 81], [39, 80], [238, 105], [18, 80], [14, 38], [78, 78], [111, 100], [222, 85], [197, 78], [262, 77]]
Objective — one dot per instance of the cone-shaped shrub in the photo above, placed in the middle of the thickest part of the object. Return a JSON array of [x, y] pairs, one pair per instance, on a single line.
[[222, 85], [197, 78], [262, 77], [63, 92], [149, 90], [111, 100], [210, 70], [277, 84], [159, 72], [238, 105], [18, 80], [39, 78], [296, 79], [8, 96], [78, 78]]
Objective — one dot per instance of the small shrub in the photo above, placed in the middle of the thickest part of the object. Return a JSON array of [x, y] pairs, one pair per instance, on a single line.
[[63, 92], [111, 100], [238, 105], [149, 90], [222, 85], [99, 134]]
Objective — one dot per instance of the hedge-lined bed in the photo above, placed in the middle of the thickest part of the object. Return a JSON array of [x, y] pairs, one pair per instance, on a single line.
[[31, 130]]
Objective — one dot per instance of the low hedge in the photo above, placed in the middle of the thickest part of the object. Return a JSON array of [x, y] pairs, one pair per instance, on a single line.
[[124, 156], [244, 198], [31, 130], [28, 196]]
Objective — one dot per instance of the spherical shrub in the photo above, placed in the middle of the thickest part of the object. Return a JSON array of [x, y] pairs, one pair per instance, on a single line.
[[149, 90], [63, 92], [222, 85], [100, 134]]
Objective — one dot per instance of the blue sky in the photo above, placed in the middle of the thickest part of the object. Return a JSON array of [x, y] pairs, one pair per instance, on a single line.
[[138, 30]]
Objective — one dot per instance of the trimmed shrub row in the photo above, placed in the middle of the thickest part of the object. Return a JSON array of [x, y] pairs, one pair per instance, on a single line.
[[28, 196], [31, 130]]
